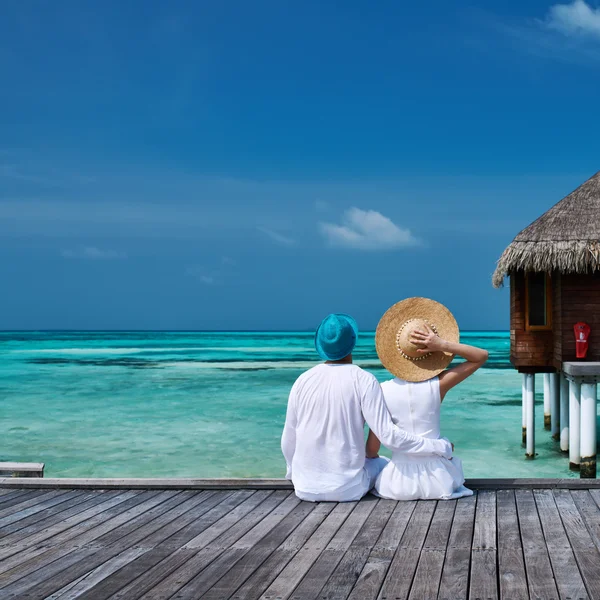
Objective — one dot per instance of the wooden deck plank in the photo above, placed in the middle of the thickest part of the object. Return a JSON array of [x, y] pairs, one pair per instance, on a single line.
[[540, 578], [23, 496], [207, 548], [566, 573], [62, 544], [511, 563], [151, 568], [584, 549], [53, 559], [344, 577], [259, 580], [29, 506], [77, 588], [373, 573], [228, 557], [144, 572], [331, 556], [399, 577], [71, 564], [38, 543], [63, 525], [484, 552], [427, 577], [590, 512], [295, 570], [195, 506], [94, 556], [41, 512], [454, 584], [237, 574]]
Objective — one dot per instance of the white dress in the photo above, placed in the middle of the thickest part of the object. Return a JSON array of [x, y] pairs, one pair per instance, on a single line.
[[415, 407]]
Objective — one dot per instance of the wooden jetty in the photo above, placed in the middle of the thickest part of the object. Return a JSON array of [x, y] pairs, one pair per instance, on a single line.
[[253, 539]]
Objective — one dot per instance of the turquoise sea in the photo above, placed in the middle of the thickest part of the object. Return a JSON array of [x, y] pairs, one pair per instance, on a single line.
[[206, 404]]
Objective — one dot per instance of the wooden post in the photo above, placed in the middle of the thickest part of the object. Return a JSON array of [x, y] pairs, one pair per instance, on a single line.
[[555, 406], [530, 402], [588, 430], [524, 410], [547, 410], [574, 423], [564, 413]]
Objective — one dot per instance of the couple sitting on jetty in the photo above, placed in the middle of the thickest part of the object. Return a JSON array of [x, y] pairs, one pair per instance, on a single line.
[[323, 440]]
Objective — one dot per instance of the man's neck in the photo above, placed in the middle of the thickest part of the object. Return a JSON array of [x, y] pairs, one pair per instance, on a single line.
[[347, 360]]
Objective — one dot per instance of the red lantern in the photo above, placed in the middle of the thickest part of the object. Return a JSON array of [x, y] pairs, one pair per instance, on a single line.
[[582, 334]]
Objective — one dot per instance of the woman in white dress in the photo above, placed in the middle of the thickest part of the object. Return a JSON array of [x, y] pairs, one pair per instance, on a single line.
[[412, 348]]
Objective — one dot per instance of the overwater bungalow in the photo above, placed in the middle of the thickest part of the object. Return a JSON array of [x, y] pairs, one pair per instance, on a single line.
[[554, 271]]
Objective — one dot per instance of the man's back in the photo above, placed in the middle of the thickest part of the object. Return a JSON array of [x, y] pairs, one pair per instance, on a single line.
[[325, 411]]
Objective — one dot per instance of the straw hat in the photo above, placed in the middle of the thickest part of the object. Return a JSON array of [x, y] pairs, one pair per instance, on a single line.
[[392, 339]]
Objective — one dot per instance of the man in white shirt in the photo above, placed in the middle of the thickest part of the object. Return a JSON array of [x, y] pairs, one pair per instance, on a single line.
[[323, 439]]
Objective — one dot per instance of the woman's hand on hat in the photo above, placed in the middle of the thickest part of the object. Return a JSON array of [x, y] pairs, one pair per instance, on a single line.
[[428, 340]]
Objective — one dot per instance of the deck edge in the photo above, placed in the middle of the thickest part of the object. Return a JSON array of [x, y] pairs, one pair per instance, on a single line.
[[261, 484]]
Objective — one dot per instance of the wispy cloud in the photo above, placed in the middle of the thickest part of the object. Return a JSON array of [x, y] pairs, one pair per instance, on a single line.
[[568, 33], [277, 237], [226, 260], [577, 18], [201, 274], [92, 253], [367, 230]]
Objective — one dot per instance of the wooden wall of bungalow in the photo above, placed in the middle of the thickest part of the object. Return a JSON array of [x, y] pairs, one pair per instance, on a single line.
[[542, 342]]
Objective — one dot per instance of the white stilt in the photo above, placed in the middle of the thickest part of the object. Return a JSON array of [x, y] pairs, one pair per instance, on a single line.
[[524, 409], [546, 400], [555, 405], [588, 430], [574, 423], [564, 413], [530, 402]]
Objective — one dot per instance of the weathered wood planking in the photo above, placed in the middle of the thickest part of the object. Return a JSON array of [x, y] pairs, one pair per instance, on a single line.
[[566, 574], [252, 543], [483, 580], [511, 564], [540, 577]]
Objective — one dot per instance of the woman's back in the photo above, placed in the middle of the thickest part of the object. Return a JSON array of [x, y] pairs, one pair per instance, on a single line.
[[415, 407]]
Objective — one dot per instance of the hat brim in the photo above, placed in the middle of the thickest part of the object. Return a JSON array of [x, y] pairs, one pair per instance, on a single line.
[[319, 348], [394, 318]]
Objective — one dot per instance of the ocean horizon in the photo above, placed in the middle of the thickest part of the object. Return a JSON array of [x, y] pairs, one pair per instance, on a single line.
[[148, 403]]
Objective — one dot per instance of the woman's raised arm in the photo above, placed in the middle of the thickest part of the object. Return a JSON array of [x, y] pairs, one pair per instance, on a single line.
[[429, 341]]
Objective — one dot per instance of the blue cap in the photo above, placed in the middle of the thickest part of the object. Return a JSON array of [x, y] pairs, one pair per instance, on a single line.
[[336, 336]]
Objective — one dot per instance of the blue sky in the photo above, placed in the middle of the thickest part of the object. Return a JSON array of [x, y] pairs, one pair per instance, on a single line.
[[203, 165]]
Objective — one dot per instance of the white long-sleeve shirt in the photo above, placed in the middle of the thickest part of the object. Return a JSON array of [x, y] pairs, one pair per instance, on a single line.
[[323, 439]]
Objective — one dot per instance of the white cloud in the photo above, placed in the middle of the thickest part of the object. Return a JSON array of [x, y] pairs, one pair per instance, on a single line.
[[577, 18], [277, 237], [92, 253], [200, 273], [367, 230], [226, 260]]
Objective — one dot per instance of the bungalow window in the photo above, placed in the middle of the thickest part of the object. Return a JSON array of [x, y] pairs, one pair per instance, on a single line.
[[539, 307]]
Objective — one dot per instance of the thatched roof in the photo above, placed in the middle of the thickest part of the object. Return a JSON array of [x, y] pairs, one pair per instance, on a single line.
[[565, 239]]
